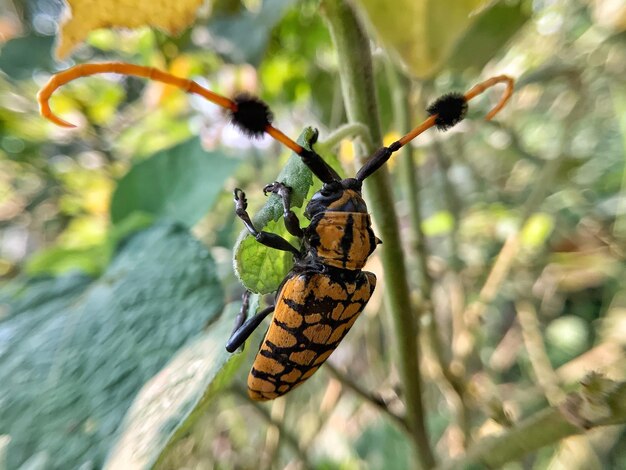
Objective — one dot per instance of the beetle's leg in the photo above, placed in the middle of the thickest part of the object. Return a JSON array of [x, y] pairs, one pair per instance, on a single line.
[[291, 219], [265, 238], [243, 311], [241, 334]]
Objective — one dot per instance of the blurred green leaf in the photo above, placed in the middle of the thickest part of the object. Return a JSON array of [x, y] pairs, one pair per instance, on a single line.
[[74, 354], [567, 337], [489, 32], [170, 403], [261, 269], [422, 32], [384, 447], [243, 37], [430, 34], [180, 183], [20, 57]]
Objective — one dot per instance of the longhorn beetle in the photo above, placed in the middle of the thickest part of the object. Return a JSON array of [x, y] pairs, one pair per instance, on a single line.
[[324, 293]]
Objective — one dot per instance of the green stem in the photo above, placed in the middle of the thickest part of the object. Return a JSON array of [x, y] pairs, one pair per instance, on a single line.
[[411, 181], [351, 130], [359, 94]]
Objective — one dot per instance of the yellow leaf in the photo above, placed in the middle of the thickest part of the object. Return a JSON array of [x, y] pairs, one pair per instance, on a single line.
[[84, 16]]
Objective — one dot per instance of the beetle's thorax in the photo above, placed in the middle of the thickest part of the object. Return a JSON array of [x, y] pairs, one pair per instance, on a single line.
[[340, 233], [337, 196]]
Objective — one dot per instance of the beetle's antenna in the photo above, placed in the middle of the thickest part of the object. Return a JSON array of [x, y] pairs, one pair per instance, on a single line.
[[444, 112], [251, 115]]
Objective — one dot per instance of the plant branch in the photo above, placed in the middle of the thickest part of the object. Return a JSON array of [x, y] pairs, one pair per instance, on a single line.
[[355, 71], [539, 360], [290, 439], [601, 402], [370, 398], [355, 129]]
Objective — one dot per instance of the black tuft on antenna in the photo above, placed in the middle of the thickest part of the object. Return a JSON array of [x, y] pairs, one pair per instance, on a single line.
[[450, 109], [252, 115]]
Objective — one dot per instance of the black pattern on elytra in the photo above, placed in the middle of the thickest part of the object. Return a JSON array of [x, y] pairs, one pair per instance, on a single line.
[[347, 239], [302, 342], [312, 305]]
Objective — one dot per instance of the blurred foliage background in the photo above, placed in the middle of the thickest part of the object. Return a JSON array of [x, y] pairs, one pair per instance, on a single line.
[[116, 238]]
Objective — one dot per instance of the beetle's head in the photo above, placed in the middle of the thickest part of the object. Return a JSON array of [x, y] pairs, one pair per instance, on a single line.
[[337, 196]]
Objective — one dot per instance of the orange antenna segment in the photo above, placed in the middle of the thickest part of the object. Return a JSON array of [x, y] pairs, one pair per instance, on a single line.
[[283, 139], [189, 86], [481, 87], [423, 127], [83, 70], [472, 93]]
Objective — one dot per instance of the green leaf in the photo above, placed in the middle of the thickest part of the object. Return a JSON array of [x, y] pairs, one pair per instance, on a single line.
[[180, 183], [383, 446], [489, 32], [243, 37], [169, 404], [74, 355], [261, 269], [20, 57], [427, 33]]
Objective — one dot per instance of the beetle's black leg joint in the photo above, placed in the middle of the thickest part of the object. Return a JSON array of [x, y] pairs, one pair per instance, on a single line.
[[291, 219], [245, 330], [265, 238]]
